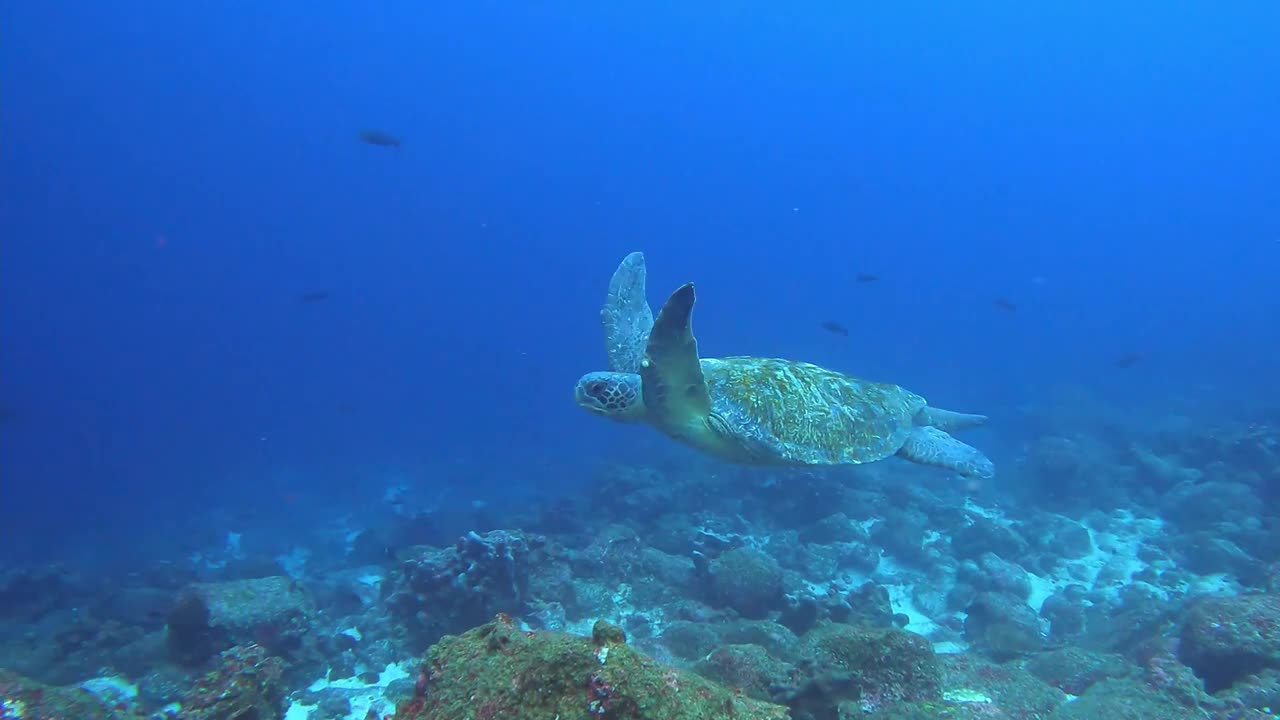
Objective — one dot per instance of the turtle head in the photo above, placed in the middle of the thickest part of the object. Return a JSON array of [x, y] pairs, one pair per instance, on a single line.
[[613, 395]]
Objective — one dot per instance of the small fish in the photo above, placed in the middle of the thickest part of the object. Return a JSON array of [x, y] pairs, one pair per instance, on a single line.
[[1128, 360], [864, 278], [379, 138], [1004, 304], [314, 296], [834, 327]]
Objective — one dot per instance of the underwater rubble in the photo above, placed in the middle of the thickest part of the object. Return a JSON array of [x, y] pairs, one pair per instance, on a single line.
[[1105, 577]]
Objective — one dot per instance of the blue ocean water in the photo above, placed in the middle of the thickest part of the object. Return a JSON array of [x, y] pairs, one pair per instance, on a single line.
[[220, 311]]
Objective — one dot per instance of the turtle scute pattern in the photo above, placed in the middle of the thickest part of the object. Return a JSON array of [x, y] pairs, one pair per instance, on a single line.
[[812, 415]]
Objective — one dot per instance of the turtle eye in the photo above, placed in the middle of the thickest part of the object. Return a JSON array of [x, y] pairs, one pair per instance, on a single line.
[[595, 387]]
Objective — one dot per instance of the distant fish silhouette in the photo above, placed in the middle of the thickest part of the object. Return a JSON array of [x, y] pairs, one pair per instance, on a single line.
[[864, 278], [1128, 360], [379, 138], [834, 327], [1005, 304], [314, 296]]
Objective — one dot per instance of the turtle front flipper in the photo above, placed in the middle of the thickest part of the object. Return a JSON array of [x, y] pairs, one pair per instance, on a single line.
[[948, 420], [675, 392], [931, 446], [626, 315]]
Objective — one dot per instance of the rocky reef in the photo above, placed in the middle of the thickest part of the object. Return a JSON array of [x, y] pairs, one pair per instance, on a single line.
[[1107, 574]]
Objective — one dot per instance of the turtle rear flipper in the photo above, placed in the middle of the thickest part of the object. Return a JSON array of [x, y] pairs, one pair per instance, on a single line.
[[931, 446], [675, 392], [949, 420], [626, 315]]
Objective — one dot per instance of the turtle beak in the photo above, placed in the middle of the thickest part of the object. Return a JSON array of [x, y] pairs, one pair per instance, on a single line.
[[585, 399]]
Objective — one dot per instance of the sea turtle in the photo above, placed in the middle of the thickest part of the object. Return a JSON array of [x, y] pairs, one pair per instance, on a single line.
[[757, 411]]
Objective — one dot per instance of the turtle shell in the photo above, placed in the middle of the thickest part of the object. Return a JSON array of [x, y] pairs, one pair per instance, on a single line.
[[809, 415]]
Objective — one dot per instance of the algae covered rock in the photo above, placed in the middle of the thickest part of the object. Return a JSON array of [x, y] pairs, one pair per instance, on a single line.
[[870, 667], [207, 618], [438, 591], [747, 580], [1074, 670], [246, 685], [1003, 626], [748, 668], [1125, 699], [1227, 639], [976, 688], [22, 698], [776, 639], [689, 640], [976, 708], [890, 663], [970, 681], [498, 671]]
